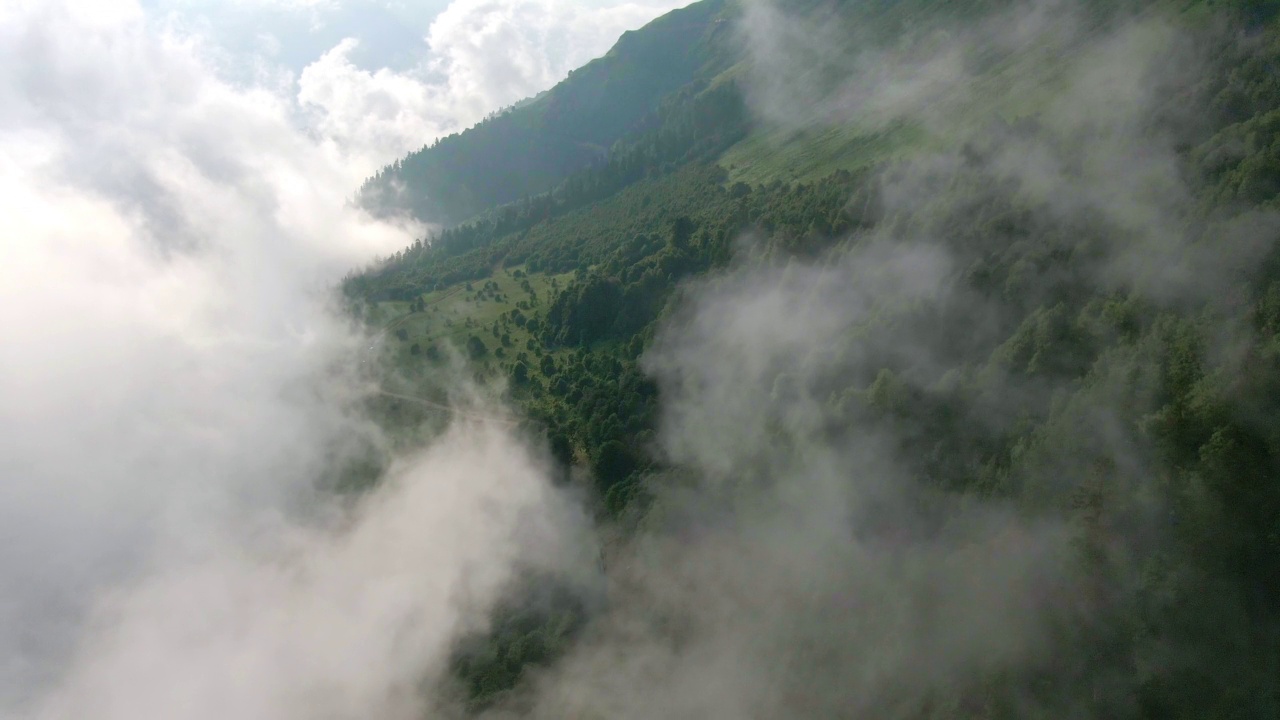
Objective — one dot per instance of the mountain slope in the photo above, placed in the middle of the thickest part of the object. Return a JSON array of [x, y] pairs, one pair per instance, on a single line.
[[1050, 292], [532, 148]]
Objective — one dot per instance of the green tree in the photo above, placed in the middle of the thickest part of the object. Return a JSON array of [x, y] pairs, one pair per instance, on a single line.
[[520, 373]]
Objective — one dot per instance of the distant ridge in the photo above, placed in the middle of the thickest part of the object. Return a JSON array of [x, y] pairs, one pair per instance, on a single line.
[[537, 143]]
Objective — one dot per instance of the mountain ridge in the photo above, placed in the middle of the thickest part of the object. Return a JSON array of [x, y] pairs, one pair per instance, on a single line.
[[532, 147]]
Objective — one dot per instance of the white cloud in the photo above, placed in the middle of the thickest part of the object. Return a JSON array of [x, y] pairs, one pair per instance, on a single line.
[[380, 78], [495, 52], [480, 55], [326, 623], [384, 112], [174, 382]]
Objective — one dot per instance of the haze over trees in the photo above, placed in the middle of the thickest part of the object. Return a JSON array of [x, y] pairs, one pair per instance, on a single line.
[[922, 359]]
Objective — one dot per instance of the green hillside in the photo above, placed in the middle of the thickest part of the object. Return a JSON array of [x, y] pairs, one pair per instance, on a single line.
[[532, 148], [1048, 292]]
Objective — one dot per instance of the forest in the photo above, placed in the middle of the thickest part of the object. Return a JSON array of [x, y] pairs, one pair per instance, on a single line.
[[1021, 325]]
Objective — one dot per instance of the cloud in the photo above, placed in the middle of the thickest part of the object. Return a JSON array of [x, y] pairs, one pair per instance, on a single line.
[[1072, 107], [385, 113], [478, 56], [378, 79], [794, 562], [347, 619], [178, 383], [495, 52]]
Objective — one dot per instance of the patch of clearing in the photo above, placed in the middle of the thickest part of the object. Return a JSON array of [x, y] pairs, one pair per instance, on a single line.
[[417, 339], [812, 154]]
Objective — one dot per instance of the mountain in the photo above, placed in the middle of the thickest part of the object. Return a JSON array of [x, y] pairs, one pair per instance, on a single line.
[[534, 146], [934, 346]]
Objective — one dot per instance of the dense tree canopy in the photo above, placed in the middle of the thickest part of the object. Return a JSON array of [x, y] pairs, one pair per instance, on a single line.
[[1056, 362]]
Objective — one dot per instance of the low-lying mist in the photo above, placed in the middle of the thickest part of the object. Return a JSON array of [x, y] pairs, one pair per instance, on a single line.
[[921, 473], [180, 385]]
